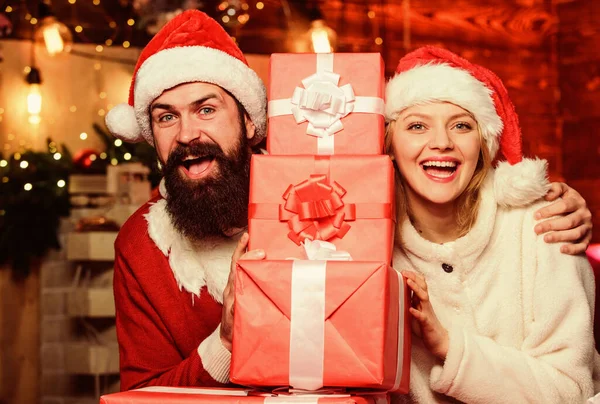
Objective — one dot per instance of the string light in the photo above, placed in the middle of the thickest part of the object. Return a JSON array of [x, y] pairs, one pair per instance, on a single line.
[[102, 95], [127, 156], [371, 14], [112, 24], [103, 156], [245, 6], [96, 2], [28, 187], [5, 179], [8, 9], [118, 142], [28, 16], [27, 69], [33, 21], [101, 112], [378, 40], [73, 108], [223, 5], [225, 19], [24, 164], [78, 29], [97, 66], [61, 183], [57, 156], [17, 156], [114, 162], [231, 12], [108, 42], [3, 163], [126, 44], [109, 107], [99, 48], [260, 5], [130, 22], [72, 1], [83, 136], [93, 157]]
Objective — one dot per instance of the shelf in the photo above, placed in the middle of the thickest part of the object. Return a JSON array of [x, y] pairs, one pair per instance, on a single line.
[[91, 302], [90, 359], [91, 246]]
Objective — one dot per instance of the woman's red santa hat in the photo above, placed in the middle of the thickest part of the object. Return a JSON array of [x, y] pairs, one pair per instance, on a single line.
[[431, 74], [192, 47]]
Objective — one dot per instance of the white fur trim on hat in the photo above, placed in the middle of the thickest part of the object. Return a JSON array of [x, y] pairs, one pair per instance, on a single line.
[[441, 82], [121, 122], [172, 67], [522, 183]]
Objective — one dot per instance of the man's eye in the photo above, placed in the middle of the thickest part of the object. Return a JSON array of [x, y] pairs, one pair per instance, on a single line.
[[206, 110], [166, 118]]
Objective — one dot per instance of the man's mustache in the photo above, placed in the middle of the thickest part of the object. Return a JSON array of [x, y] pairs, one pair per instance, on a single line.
[[194, 149]]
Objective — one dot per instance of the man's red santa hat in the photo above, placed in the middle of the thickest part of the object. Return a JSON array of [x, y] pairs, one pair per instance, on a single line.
[[192, 47], [431, 74]]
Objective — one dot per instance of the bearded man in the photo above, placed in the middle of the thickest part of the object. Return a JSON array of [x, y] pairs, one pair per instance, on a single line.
[[195, 99]]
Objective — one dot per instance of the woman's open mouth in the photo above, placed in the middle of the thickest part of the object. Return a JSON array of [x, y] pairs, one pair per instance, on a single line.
[[440, 171]]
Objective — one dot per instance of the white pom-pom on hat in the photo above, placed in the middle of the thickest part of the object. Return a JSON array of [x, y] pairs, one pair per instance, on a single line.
[[122, 123]]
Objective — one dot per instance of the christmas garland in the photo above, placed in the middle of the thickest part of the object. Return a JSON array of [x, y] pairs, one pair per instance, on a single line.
[[33, 198]]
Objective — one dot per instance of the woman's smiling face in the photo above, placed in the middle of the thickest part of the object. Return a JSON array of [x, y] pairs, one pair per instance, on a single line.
[[436, 147]]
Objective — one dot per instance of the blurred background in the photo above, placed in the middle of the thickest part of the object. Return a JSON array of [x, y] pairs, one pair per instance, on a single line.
[[67, 185]]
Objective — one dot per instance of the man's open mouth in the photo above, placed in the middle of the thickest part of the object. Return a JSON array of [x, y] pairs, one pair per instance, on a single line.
[[197, 165]]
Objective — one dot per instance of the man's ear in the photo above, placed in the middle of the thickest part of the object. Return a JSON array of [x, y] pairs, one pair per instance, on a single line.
[[250, 127]]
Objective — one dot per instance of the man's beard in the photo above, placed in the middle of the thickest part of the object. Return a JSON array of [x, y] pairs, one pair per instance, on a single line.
[[216, 203]]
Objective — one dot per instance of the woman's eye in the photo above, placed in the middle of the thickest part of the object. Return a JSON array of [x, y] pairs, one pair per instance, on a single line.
[[463, 126], [416, 126]]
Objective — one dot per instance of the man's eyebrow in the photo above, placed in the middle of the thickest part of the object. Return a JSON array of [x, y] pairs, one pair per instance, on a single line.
[[161, 106], [194, 104], [202, 100]]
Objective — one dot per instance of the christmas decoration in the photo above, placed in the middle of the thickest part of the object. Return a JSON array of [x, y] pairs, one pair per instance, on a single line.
[[33, 198]]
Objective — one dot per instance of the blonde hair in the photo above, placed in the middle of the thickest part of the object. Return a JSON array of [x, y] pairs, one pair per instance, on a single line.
[[468, 201]]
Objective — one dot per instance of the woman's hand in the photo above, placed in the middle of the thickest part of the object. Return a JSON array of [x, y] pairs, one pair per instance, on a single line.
[[425, 323]]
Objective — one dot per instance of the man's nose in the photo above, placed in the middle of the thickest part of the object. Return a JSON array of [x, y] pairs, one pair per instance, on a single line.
[[188, 131]]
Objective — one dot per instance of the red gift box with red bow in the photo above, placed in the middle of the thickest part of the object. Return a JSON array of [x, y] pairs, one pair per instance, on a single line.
[[345, 200]]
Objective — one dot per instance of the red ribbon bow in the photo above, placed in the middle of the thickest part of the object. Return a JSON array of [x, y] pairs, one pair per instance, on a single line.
[[314, 210]]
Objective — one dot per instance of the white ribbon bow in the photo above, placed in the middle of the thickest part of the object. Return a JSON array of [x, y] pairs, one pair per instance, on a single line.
[[322, 103], [323, 250]]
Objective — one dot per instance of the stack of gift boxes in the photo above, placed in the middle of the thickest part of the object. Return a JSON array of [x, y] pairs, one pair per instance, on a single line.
[[324, 309], [324, 317]]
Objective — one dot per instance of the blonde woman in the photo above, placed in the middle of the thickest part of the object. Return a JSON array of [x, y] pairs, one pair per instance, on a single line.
[[500, 315]]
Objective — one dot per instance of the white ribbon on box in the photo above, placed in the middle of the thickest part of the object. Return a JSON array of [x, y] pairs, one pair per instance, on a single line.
[[323, 104], [307, 323]]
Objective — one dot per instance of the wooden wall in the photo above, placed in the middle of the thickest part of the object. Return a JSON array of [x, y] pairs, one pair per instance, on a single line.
[[579, 78]]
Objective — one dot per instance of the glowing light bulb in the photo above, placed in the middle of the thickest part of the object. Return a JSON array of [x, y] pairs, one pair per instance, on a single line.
[[61, 183], [28, 187], [34, 100], [24, 164]]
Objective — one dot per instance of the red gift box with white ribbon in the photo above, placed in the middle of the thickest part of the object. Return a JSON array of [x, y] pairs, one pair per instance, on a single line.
[[314, 324], [178, 395], [326, 104]]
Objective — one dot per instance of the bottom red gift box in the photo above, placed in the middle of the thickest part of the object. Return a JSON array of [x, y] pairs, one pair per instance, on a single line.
[[321, 324], [177, 395]]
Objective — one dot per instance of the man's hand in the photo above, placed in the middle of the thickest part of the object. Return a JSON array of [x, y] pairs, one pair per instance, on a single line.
[[425, 323], [229, 291], [574, 224]]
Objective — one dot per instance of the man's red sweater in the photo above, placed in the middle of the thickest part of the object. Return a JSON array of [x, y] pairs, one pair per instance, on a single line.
[[159, 325]]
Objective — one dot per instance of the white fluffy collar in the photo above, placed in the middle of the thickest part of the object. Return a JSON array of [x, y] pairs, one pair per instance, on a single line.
[[194, 265], [468, 247]]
